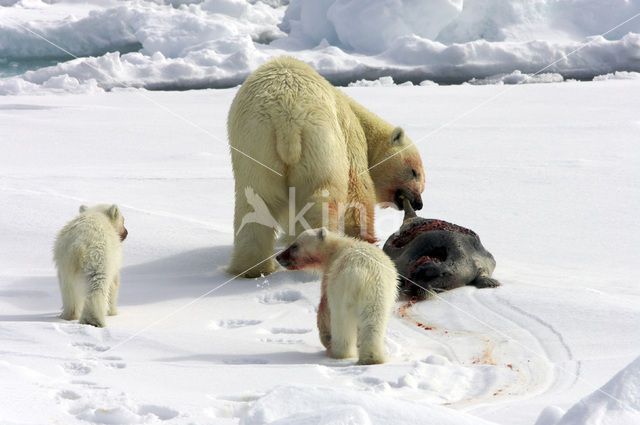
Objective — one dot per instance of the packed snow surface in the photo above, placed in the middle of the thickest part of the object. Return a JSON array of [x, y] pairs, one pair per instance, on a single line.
[[546, 174], [180, 44], [616, 403]]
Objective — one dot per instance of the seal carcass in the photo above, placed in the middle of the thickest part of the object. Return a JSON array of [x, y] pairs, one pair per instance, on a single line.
[[434, 256]]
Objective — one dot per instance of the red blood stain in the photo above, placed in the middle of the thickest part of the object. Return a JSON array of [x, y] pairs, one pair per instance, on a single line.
[[428, 225], [333, 209], [402, 311], [304, 262], [423, 326], [487, 356], [437, 255], [420, 261]]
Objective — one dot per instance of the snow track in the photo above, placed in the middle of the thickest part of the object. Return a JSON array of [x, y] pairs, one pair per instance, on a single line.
[[89, 400], [510, 348]]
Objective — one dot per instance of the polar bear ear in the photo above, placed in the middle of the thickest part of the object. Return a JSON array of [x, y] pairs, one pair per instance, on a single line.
[[83, 208], [113, 211], [322, 233], [397, 136]]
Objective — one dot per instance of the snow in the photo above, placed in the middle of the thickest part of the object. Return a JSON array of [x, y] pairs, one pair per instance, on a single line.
[[545, 173], [368, 27], [617, 402], [186, 44], [517, 77], [297, 405], [618, 75], [380, 82]]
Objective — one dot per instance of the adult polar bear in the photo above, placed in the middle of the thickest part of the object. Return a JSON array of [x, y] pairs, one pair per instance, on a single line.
[[290, 128]]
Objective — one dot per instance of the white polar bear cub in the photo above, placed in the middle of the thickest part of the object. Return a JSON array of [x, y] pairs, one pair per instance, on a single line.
[[88, 256], [359, 289]]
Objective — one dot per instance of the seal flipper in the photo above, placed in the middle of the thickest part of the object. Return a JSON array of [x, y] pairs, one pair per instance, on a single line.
[[484, 281], [409, 213]]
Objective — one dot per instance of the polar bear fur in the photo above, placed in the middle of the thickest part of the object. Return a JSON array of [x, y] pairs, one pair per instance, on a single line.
[[88, 256], [290, 128], [359, 289]]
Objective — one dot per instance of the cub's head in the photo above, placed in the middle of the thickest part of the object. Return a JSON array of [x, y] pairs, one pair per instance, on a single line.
[[113, 214], [306, 252], [397, 172]]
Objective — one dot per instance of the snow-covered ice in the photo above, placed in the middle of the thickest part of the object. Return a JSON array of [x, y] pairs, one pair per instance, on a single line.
[[181, 44], [546, 174], [615, 403]]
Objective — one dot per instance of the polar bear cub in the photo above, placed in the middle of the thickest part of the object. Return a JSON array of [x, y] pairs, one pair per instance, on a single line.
[[88, 256], [359, 289]]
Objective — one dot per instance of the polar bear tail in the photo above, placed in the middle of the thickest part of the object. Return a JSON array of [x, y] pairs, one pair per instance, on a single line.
[[289, 143]]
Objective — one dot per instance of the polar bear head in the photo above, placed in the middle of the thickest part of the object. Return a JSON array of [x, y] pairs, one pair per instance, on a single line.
[[112, 212], [397, 172], [308, 251]]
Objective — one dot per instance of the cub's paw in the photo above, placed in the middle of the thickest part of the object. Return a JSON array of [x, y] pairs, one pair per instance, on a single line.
[[68, 315], [93, 321], [336, 353], [371, 359]]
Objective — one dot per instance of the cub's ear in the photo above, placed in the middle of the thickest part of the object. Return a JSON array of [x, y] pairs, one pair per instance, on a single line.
[[397, 136], [113, 211], [83, 208], [322, 233]]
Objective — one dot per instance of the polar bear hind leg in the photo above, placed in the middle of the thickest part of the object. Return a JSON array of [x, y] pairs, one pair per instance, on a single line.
[[373, 325], [95, 305], [113, 295], [254, 237], [320, 183], [324, 322], [344, 335], [343, 322], [72, 289]]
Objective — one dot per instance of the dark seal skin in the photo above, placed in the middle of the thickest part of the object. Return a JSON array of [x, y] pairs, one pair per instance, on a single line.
[[437, 256]]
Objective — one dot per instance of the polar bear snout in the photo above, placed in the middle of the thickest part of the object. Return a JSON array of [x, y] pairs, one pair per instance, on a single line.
[[284, 259], [414, 199], [123, 234], [417, 203]]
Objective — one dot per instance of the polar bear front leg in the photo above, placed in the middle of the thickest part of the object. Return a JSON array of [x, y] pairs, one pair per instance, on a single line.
[[71, 290], [359, 212], [359, 220]]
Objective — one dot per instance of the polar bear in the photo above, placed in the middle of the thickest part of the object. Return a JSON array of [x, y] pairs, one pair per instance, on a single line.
[[359, 289], [313, 157], [88, 255]]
